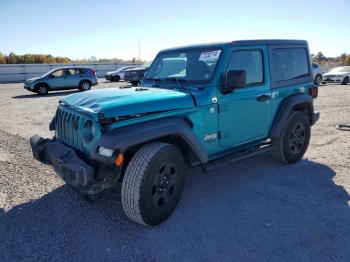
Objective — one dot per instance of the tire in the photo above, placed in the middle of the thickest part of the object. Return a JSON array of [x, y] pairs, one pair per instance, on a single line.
[[84, 85], [153, 183], [42, 89], [116, 78], [318, 79], [345, 81], [291, 146]]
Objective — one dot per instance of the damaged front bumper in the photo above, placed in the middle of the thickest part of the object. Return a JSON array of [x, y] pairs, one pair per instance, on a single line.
[[80, 174]]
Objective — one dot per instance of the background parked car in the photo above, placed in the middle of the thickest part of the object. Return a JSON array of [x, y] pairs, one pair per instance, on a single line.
[[117, 75], [317, 73], [135, 75], [338, 75], [63, 78]]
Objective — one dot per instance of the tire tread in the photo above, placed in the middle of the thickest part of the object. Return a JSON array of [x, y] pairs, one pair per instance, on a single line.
[[134, 175]]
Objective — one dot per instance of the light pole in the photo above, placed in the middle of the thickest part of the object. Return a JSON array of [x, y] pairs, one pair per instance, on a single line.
[[139, 49]]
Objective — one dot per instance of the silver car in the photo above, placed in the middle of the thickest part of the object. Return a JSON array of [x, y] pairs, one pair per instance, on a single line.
[[338, 75], [116, 76]]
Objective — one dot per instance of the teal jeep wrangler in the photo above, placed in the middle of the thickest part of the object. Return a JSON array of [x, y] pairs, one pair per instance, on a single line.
[[196, 105]]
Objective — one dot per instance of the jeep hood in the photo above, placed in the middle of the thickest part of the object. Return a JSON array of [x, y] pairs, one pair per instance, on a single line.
[[115, 102]]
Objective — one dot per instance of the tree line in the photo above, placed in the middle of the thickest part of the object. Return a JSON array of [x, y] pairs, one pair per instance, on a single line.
[[343, 59], [12, 58]]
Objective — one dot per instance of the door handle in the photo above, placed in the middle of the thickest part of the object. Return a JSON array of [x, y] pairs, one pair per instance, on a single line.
[[263, 98]]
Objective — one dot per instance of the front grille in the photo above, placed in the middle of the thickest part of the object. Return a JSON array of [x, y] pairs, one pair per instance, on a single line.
[[69, 126]]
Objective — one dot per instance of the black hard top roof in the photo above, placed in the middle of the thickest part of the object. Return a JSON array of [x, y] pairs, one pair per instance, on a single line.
[[242, 42], [270, 42]]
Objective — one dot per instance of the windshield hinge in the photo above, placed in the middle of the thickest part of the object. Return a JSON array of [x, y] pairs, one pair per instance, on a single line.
[[222, 108]]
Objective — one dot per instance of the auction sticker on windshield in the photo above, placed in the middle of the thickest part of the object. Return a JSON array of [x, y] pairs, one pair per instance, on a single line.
[[211, 55]]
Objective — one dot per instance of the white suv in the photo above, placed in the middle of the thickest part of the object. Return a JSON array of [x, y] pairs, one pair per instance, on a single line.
[[117, 75]]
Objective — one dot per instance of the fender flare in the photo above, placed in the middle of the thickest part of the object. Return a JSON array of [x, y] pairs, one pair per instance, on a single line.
[[286, 108], [124, 138]]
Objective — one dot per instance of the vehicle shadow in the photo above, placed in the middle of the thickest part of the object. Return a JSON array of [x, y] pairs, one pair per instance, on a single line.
[[255, 210], [58, 93]]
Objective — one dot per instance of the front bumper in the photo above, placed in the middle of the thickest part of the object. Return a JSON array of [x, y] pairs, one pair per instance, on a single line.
[[331, 79], [315, 117], [69, 166], [28, 88]]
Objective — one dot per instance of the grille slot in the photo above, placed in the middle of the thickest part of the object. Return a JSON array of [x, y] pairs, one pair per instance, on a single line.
[[68, 127]]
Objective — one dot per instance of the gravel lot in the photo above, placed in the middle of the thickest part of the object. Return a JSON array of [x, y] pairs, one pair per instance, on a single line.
[[255, 210]]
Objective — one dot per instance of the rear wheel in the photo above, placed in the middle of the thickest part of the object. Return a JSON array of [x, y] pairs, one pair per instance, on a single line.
[[84, 86], [42, 89], [153, 183], [345, 81], [294, 140], [318, 79]]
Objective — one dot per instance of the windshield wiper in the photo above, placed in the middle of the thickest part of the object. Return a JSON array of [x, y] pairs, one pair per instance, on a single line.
[[154, 80], [178, 81]]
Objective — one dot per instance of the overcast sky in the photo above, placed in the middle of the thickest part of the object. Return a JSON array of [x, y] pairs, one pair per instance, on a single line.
[[106, 29]]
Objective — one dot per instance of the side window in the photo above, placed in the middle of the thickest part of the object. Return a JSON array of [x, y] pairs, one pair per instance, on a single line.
[[289, 64], [251, 61], [72, 72], [58, 73]]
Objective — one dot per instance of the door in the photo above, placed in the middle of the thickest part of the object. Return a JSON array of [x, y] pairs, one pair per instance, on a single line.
[[73, 78], [244, 114], [57, 79]]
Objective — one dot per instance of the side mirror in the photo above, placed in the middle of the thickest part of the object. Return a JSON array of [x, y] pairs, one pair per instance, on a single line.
[[235, 79], [51, 76]]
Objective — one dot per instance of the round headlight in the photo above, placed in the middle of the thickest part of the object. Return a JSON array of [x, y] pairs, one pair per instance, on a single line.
[[88, 131]]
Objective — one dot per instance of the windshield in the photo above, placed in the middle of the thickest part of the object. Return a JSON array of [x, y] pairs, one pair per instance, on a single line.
[[195, 65], [341, 69], [146, 64], [50, 72]]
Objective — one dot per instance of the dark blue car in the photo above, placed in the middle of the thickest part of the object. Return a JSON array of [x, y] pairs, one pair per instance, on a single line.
[[63, 78]]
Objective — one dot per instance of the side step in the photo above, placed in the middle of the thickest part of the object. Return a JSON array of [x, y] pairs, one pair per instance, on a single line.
[[235, 157]]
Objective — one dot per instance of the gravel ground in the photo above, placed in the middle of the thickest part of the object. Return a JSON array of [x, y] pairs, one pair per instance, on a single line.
[[255, 210]]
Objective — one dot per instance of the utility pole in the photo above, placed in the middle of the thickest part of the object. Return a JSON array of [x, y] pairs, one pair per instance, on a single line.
[[139, 49]]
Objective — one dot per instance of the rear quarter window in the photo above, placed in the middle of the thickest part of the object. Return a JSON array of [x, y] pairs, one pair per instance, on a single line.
[[289, 66], [84, 70]]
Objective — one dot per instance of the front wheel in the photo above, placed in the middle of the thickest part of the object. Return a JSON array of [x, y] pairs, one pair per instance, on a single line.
[[153, 183], [116, 78], [345, 81], [42, 89], [294, 140]]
